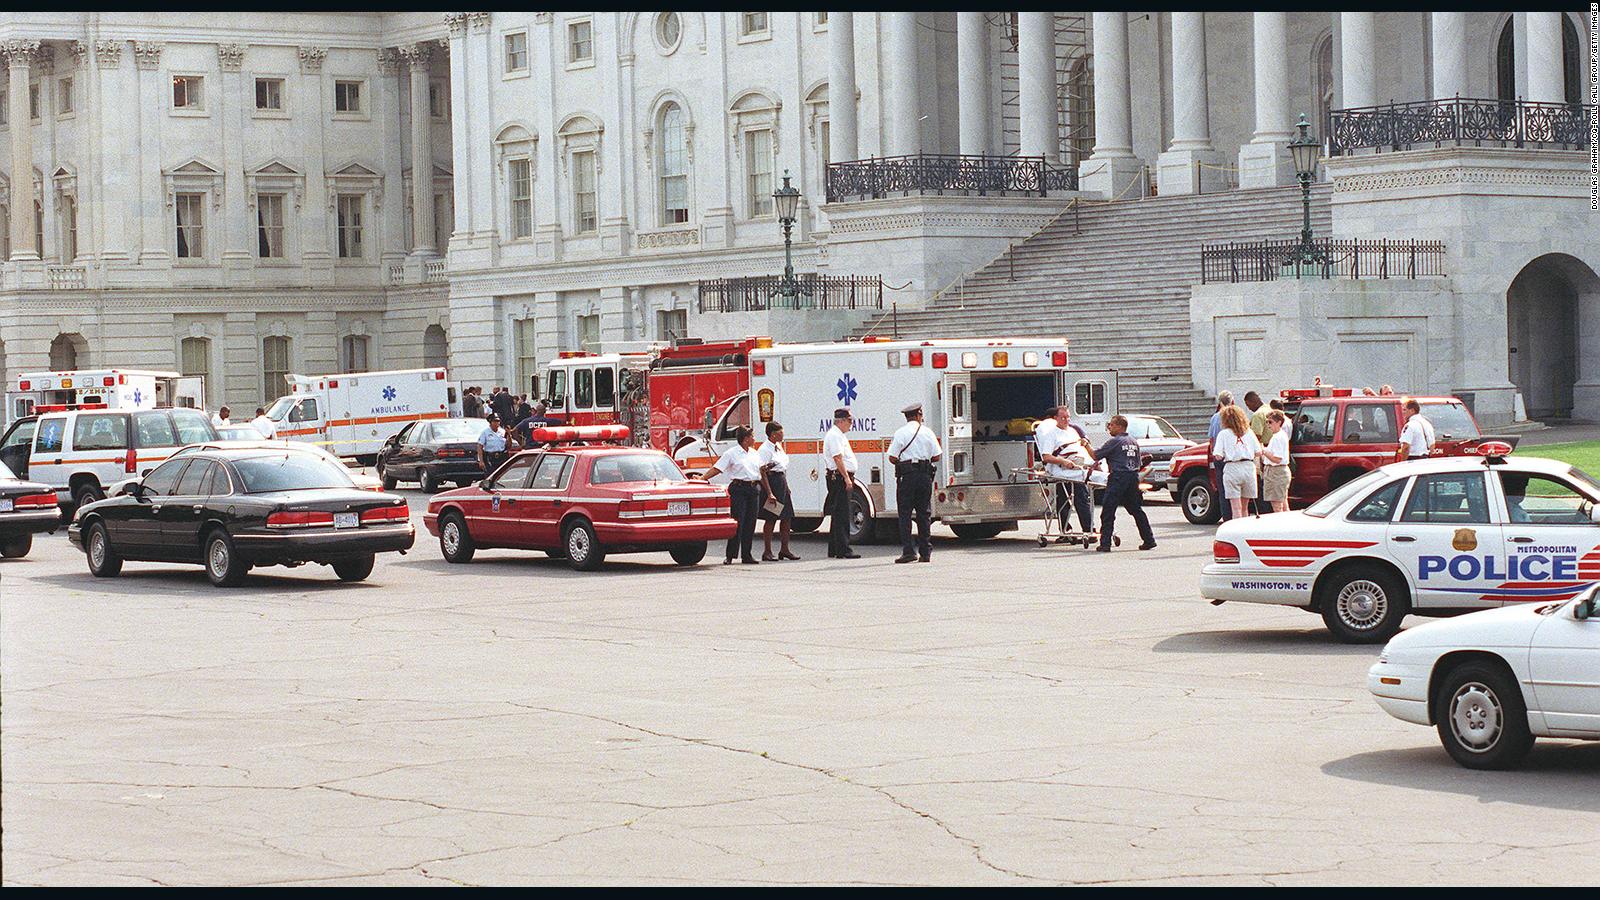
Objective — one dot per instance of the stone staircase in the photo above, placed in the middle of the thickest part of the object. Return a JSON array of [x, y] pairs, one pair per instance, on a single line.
[[1114, 279]]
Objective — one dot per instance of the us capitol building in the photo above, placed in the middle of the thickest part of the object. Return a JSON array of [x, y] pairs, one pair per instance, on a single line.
[[242, 196]]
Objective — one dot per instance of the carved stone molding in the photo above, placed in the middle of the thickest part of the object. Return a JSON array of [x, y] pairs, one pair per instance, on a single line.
[[147, 54], [80, 53], [479, 21], [388, 61], [311, 58], [230, 57], [108, 53], [456, 22], [20, 52], [651, 240], [45, 62], [418, 55]]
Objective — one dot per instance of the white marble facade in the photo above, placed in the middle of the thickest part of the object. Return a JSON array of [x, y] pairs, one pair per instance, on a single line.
[[582, 171]]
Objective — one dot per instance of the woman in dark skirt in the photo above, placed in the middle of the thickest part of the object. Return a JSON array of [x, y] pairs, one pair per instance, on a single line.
[[775, 486]]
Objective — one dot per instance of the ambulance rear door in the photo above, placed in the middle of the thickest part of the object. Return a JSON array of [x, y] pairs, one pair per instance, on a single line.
[[955, 401], [189, 392], [1091, 394]]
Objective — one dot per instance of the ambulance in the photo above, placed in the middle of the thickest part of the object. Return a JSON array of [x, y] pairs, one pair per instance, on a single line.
[[112, 389], [979, 397], [352, 415]]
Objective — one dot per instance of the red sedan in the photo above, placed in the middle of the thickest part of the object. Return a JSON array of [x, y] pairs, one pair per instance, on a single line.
[[583, 501]]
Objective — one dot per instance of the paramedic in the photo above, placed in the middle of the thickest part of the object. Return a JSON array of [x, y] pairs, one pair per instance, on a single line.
[[913, 451], [841, 462]]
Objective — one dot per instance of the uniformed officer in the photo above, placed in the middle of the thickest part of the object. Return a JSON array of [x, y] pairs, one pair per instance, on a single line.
[[491, 445], [840, 459], [1121, 454], [913, 451]]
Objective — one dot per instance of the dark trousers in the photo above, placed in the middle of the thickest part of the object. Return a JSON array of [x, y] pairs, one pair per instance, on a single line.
[[744, 501], [1122, 489], [913, 494], [838, 516], [1080, 501], [1216, 483]]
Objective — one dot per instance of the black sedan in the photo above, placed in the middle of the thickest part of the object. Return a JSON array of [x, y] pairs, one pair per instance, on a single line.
[[229, 510], [433, 452], [26, 509]]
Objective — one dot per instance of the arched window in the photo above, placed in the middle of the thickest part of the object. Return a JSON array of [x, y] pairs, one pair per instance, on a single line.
[[1570, 73], [435, 347], [1505, 62], [1322, 78], [67, 352], [673, 154], [195, 359]]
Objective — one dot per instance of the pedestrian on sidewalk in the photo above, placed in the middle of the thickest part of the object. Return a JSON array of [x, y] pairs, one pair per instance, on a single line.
[[841, 462], [914, 451], [744, 492], [1121, 454], [775, 493]]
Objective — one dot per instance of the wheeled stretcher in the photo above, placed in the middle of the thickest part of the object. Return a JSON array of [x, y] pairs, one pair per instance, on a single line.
[[1095, 477]]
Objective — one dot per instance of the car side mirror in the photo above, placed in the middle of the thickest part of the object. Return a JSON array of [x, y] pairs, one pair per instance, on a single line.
[[135, 489], [1584, 609], [1594, 513]]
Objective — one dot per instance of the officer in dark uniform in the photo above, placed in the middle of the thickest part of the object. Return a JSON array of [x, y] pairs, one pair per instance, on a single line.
[[913, 451], [1121, 454]]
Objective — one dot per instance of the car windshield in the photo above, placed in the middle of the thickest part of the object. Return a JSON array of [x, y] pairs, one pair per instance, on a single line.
[[1450, 420], [238, 433], [279, 408], [625, 467], [1336, 498], [1151, 428], [290, 472], [458, 429], [1590, 485]]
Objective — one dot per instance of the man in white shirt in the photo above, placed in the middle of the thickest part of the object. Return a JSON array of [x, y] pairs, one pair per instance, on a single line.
[[264, 425], [913, 451], [221, 419], [841, 463], [1057, 444], [1418, 433]]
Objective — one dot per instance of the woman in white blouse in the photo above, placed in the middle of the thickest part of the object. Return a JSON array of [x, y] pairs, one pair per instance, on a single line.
[[1237, 448], [775, 490], [744, 492]]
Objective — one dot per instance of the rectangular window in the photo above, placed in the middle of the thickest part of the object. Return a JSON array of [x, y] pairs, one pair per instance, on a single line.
[[517, 51], [269, 94], [820, 19], [589, 333], [269, 226], [758, 165], [586, 215], [520, 178], [38, 229], [69, 229], [188, 92], [64, 90], [274, 366], [5, 113], [350, 208], [347, 97], [33, 102], [605, 387], [753, 23], [527, 363], [195, 359], [674, 170], [1313, 424], [671, 323], [583, 385], [438, 100], [580, 41], [191, 225], [825, 138], [100, 432], [1453, 498], [353, 352]]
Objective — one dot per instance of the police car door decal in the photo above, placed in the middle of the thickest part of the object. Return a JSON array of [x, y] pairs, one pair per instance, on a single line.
[[1450, 542], [1552, 547]]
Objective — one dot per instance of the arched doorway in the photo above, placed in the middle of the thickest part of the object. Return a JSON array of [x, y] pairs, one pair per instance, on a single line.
[[1553, 337], [68, 352], [435, 347], [1505, 62]]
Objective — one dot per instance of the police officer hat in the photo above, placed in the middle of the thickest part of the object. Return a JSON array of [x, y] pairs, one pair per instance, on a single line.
[[912, 409]]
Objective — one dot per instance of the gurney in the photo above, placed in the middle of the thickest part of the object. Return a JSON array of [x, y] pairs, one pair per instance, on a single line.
[[1095, 478]]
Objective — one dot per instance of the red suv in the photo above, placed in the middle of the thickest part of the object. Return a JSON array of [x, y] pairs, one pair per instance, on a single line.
[[1336, 437]]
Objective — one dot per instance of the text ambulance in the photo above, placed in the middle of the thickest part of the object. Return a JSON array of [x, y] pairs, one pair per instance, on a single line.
[[1429, 537], [119, 389], [353, 415]]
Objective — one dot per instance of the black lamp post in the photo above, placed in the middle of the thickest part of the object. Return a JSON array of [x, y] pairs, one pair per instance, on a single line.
[[786, 201], [1305, 150]]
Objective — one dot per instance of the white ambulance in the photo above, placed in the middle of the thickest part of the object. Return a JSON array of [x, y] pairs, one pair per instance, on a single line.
[[979, 397], [352, 415], [112, 389]]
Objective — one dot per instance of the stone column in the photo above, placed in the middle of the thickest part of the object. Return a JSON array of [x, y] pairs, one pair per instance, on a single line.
[[477, 153], [1449, 54], [1112, 167], [1039, 128], [417, 57], [1357, 59], [842, 142], [460, 135], [1264, 162], [1545, 81], [20, 54], [900, 94], [972, 80], [1191, 165], [236, 218]]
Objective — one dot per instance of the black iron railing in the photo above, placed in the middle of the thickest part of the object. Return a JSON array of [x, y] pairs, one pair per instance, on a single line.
[[1270, 260], [930, 173], [1459, 122], [762, 292]]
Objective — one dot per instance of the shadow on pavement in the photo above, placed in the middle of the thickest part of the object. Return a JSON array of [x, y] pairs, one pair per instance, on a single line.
[[1556, 774], [192, 580], [1315, 640]]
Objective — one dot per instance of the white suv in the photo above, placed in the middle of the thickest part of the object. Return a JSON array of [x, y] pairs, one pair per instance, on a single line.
[[80, 452]]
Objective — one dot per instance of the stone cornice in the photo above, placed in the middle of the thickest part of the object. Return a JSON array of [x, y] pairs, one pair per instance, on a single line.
[[147, 54]]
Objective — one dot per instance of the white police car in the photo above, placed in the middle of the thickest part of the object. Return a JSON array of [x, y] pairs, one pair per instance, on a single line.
[[1431, 537], [1493, 681]]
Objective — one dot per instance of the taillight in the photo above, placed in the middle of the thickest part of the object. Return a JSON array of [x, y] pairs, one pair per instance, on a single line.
[[758, 367], [913, 358], [386, 514], [1224, 552], [451, 452], [36, 501], [300, 519], [1058, 357], [108, 381], [130, 462], [941, 360]]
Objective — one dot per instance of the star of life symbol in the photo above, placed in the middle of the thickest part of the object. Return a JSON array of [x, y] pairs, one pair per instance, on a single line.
[[389, 393], [138, 397], [847, 389]]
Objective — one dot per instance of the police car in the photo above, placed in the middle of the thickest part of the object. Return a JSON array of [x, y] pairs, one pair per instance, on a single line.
[[1432, 537]]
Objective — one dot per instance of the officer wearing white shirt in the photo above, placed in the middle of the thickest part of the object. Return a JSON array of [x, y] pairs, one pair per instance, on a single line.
[[913, 451], [841, 463], [1418, 433], [264, 425], [222, 418], [743, 465]]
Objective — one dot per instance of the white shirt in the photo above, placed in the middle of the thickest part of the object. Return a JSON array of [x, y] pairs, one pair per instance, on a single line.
[[773, 456], [1279, 447], [266, 426], [741, 464], [1058, 441], [1417, 435], [836, 443], [1232, 448], [914, 442], [217, 421]]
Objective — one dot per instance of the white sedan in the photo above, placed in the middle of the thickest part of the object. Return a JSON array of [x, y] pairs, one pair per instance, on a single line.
[[1493, 681]]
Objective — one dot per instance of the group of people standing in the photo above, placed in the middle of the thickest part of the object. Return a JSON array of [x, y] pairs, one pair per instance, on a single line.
[[758, 488], [509, 420], [1064, 448], [1242, 439]]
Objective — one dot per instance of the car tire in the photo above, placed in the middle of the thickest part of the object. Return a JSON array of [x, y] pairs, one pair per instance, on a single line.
[[977, 531], [584, 552], [224, 566], [429, 481], [1364, 604], [103, 561], [1199, 501], [863, 528], [455, 542], [688, 554], [356, 568], [17, 547], [1481, 717], [389, 482], [86, 493]]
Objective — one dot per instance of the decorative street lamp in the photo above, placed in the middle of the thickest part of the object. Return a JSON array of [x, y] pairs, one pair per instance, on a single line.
[[1305, 150], [786, 200]]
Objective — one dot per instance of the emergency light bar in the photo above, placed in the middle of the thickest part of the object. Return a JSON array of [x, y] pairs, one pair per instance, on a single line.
[[1492, 451], [580, 433]]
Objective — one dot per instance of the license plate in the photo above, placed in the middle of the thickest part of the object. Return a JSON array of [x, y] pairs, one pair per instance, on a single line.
[[346, 520], [677, 507], [6, 505]]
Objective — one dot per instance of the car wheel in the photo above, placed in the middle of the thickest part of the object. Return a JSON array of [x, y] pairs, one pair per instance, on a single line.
[[103, 561], [863, 530], [389, 482], [583, 549], [454, 541], [17, 547], [87, 493], [224, 566], [1199, 501], [430, 481], [977, 531], [1364, 605], [1482, 719], [688, 554], [354, 569]]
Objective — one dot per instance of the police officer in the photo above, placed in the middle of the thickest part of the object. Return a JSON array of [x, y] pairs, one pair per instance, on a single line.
[[913, 451], [1121, 454], [491, 445], [840, 461]]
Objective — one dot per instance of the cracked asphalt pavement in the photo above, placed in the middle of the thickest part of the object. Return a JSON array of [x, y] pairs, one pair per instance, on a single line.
[[1006, 715]]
